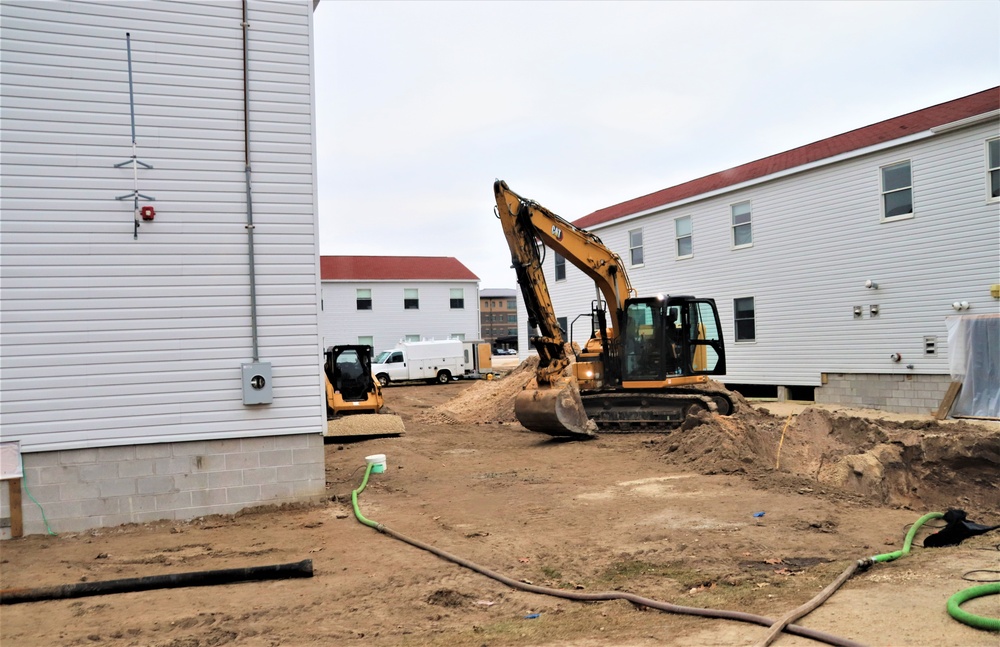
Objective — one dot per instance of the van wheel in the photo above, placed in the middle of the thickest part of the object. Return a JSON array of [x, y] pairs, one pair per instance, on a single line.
[[443, 377], [383, 379]]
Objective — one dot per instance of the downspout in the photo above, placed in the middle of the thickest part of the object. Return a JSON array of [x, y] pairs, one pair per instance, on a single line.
[[246, 149]]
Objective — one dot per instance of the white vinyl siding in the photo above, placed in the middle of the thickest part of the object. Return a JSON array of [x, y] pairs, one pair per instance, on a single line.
[[110, 340], [389, 322], [818, 238]]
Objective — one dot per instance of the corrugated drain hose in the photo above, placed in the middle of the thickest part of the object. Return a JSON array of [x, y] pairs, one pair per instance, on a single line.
[[593, 597]]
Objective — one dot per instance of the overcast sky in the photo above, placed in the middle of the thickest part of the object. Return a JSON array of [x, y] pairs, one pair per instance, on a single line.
[[582, 105]]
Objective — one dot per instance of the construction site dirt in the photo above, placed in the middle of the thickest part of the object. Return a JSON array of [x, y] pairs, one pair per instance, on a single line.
[[756, 512]]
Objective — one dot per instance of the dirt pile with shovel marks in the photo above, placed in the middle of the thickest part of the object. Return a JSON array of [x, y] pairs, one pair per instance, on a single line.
[[918, 463]]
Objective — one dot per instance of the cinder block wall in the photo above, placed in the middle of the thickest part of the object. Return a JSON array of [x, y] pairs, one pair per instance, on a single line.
[[897, 393], [90, 488]]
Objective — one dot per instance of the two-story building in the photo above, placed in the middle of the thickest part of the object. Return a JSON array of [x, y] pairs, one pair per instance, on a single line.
[[834, 265], [384, 300]]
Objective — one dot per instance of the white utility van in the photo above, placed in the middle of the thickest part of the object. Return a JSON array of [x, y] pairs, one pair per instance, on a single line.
[[434, 361]]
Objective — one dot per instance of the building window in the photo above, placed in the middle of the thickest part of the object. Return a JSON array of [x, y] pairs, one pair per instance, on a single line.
[[512, 331], [743, 318], [742, 225], [511, 318], [366, 340], [411, 299], [897, 191], [682, 231], [635, 246], [457, 299], [563, 324], [364, 299], [457, 335], [511, 304], [560, 268], [993, 166], [409, 338]]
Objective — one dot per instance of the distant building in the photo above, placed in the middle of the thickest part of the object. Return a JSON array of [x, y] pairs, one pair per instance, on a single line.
[[383, 300], [834, 265], [498, 317]]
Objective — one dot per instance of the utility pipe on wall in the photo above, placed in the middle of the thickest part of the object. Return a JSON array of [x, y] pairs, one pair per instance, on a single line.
[[246, 149]]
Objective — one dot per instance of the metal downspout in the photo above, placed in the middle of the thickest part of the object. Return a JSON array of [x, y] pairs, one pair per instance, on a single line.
[[246, 148]]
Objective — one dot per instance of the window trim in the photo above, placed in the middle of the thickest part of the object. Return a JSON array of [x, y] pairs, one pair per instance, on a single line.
[[416, 305], [677, 238], [736, 338], [452, 299], [989, 170], [358, 300], [559, 267], [640, 246], [882, 192], [733, 226]]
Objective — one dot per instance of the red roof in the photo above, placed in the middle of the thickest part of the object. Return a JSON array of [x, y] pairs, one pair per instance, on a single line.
[[393, 268], [883, 131]]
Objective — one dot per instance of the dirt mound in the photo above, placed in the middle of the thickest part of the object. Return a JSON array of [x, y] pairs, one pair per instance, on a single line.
[[919, 463], [486, 401]]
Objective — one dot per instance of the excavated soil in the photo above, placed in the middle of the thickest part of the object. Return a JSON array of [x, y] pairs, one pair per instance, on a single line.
[[754, 512]]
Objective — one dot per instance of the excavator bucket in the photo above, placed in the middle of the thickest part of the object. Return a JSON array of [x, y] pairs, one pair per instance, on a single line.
[[555, 410]]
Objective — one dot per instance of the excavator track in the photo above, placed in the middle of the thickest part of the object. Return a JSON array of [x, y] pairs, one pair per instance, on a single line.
[[645, 411]]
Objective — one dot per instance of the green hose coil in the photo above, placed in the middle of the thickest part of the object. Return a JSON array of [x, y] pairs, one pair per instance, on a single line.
[[888, 557], [354, 500], [979, 622]]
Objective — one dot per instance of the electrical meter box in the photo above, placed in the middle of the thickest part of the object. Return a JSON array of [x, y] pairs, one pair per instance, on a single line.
[[257, 383]]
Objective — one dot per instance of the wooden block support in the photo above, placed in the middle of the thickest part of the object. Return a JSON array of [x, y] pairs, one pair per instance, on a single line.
[[948, 400], [16, 519]]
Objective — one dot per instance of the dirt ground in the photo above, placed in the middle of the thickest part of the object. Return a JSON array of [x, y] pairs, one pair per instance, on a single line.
[[675, 517]]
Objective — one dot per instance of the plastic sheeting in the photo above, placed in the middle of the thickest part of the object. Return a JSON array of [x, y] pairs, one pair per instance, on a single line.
[[974, 358]]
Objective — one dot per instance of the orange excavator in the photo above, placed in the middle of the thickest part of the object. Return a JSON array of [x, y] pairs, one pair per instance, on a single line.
[[647, 362]]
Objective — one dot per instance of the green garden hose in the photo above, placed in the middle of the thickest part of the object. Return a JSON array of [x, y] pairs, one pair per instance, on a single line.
[[888, 557], [979, 622]]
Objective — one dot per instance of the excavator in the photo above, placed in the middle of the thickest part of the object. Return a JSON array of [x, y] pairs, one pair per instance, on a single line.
[[646, 364]]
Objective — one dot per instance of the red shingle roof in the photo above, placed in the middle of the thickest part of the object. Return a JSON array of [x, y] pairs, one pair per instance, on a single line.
[[883, 131], [390, 268]]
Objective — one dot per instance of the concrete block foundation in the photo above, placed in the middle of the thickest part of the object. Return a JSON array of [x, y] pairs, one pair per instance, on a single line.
[[899, 393], [92, 488]]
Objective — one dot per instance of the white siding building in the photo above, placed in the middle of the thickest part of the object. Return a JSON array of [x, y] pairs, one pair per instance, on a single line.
[[786, 246], [383, 300], [121, 348]]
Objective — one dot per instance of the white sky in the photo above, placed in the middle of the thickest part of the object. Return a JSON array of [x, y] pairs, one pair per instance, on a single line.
[[582, 105]]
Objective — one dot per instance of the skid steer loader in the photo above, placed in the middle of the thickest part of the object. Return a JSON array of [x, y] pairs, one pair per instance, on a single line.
[[354, 403]]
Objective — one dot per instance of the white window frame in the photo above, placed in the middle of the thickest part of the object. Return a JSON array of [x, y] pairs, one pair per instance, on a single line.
[[359, 298], [457, 335], [678, 238], [452, 298], [632, 248], [733, 225], [370, 340], [990, 170], [559, 264], [883, 192], [411, 338], [736, 328], [416, 297]]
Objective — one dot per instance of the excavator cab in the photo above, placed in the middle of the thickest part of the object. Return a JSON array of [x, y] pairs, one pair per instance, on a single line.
[[670, 337]]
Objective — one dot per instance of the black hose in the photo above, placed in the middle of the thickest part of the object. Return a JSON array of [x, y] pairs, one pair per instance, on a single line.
[[172, 581], [805, 632]]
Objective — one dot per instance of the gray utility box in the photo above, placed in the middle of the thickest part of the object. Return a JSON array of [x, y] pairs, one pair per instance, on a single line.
[[257, 383]]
